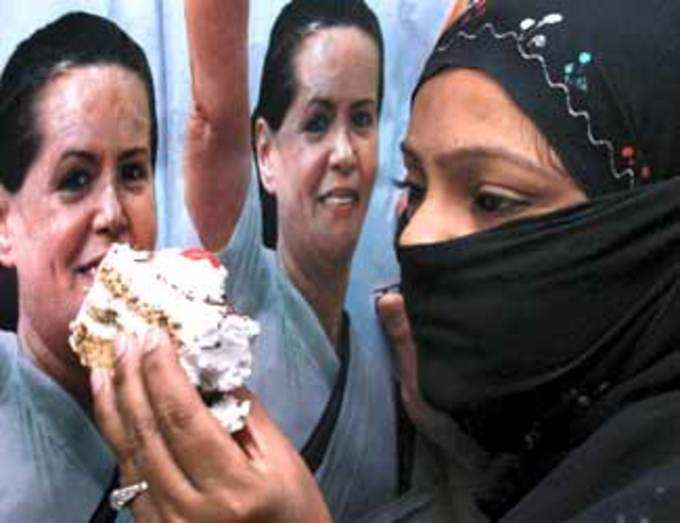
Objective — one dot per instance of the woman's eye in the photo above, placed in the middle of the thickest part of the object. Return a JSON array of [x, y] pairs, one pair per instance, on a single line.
[[76, 180], [362, 119], [133, 173], [317, 124], [491, 202]]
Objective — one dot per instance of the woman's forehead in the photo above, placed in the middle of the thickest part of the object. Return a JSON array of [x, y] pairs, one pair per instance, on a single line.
[[99, 104], [338, 61], [463, 109]]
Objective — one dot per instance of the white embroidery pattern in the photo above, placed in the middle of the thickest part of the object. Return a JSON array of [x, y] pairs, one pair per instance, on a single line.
[[526, 37]]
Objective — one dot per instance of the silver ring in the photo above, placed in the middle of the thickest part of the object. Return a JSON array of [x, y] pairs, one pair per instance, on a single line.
[[122, 496]]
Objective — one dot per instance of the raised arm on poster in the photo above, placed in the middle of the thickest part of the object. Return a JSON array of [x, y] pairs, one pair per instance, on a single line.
[[217, 155]]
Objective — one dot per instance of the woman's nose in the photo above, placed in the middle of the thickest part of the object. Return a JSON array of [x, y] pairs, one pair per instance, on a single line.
[[343, 156], [110, 218], [434, 222]]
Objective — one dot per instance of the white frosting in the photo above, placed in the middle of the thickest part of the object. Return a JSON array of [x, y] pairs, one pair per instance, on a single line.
[[188, 287]]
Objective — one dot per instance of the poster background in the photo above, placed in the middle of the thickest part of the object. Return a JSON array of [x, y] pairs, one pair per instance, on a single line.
[[409, 28]]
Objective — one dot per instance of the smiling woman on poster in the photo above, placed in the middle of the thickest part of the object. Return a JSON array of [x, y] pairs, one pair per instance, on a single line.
[[315, 137]]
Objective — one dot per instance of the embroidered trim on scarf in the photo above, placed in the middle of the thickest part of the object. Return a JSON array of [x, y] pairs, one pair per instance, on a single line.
[[528, 27]]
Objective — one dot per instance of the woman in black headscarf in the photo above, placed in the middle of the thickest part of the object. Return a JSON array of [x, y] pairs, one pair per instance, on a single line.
[[540, 255]]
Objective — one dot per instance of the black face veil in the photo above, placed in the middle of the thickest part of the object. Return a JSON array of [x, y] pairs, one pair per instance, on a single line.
[[520, 330]]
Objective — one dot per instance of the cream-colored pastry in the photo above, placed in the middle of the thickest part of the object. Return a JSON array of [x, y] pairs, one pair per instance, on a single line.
[[182, 293]]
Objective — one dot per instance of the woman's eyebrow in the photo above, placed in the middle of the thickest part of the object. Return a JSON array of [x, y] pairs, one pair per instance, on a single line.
[[364, 102], [130, 153], [79, 154], [323, 102], [486, 153]]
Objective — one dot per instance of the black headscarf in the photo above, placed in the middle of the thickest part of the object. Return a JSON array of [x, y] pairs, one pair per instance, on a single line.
[[599, 78], [537, 334]]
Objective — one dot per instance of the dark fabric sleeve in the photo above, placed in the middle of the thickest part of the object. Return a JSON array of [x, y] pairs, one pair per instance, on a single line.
[[656, 497], [630, 466]]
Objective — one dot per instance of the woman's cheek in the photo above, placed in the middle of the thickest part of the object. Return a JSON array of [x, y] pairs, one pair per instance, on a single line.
[[143, 223]]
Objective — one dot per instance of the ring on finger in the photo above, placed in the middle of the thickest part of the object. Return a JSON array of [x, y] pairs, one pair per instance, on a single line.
[[122, 496]]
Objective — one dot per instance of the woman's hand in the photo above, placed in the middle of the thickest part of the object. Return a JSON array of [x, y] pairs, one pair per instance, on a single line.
[[464, 462], [433, 424], [161, 432]]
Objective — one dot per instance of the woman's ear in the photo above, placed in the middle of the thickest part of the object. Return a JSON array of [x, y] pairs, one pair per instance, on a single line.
[[6, 252], [265, 151]]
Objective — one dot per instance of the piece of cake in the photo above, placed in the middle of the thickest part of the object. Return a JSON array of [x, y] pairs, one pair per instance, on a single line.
[[182, 293]]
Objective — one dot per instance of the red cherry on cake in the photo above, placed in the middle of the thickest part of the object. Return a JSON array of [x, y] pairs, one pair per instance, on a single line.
[[201, 254]]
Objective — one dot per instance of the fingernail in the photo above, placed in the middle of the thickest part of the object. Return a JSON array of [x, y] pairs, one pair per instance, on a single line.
[[152, 340], [119, 346], [381, 291], [98, 377]]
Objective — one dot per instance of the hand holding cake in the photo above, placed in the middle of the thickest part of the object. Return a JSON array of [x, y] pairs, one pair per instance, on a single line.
[[164, 344], [162, 433]]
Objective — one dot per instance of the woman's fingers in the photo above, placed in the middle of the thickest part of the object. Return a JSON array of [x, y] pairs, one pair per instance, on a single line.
[[392, 313], [153, 460], [261, 437], [202, 448], [436, 425], [196, 470], [111, 425], [277, 460], [113, 430], [108, 418]]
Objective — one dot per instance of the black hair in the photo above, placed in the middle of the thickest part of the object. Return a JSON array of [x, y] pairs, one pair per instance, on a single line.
[[297, 20], [75, 39]]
